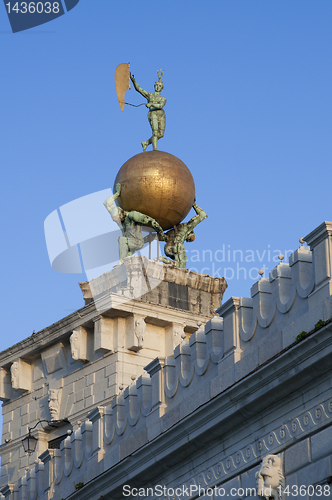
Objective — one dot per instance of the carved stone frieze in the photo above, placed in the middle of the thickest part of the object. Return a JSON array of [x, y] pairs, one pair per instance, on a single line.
[[272, 443]]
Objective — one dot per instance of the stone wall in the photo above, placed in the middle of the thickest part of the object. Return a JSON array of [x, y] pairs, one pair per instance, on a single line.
[[253, 382], [185, 425], [61, 373]]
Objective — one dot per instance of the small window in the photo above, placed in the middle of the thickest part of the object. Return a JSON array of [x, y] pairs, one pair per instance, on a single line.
[[54, 444]]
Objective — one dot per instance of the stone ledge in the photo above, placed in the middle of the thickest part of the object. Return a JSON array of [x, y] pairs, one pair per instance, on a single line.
[[150, 281]]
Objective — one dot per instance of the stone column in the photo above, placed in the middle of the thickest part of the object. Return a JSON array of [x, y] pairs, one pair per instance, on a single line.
[[40, 478], [155, 370], [22, 486], [96, 418], [153, 422], [47, 459], [320, 241]]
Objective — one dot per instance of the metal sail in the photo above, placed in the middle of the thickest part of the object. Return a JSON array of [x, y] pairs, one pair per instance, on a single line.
[[122, 82]]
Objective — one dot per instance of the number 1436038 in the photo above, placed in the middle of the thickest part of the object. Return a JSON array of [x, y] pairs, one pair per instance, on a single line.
[[303, 491], [33, 7]]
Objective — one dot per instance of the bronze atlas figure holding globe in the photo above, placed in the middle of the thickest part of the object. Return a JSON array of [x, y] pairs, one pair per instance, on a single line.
[[154, 189]]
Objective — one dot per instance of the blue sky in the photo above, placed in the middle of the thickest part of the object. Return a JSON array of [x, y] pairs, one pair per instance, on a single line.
[[248, 88]]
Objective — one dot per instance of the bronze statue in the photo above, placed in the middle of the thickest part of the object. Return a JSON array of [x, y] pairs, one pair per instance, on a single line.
[[155, 183], [175, 238], [131, 224], [156, 114]]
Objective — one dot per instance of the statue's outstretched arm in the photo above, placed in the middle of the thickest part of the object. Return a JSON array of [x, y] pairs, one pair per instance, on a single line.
[[139, 89], [145, 220], [201, 215], [111, 199]]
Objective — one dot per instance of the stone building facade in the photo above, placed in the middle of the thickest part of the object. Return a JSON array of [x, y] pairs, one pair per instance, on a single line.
[[155, 389]]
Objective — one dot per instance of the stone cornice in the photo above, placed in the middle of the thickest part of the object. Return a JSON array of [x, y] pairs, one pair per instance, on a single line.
[[60, 330], [47, 336], [319, 234]]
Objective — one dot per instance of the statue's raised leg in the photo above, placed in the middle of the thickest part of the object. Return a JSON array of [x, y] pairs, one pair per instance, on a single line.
[[146, 143], [123, 248], [180, 255]]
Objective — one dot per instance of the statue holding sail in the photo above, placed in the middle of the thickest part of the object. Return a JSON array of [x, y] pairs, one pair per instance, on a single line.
[[156, 114], [153, 190], [155, 104]]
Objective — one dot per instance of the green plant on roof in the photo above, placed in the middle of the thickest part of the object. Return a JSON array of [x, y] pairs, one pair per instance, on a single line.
[[319, 324], [301, 336]]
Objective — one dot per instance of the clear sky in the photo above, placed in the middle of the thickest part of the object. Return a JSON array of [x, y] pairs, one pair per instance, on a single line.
[[248, 87]]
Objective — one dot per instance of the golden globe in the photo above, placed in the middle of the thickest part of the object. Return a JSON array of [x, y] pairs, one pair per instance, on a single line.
[[157, 184]]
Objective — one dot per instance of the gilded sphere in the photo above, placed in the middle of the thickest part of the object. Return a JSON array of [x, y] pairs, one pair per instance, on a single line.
[[157, 184]]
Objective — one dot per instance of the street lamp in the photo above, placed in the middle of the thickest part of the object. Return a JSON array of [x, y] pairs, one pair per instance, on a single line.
[[30, 442]]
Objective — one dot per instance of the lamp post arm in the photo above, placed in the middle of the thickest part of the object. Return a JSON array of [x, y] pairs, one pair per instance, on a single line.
[[39, 422]]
